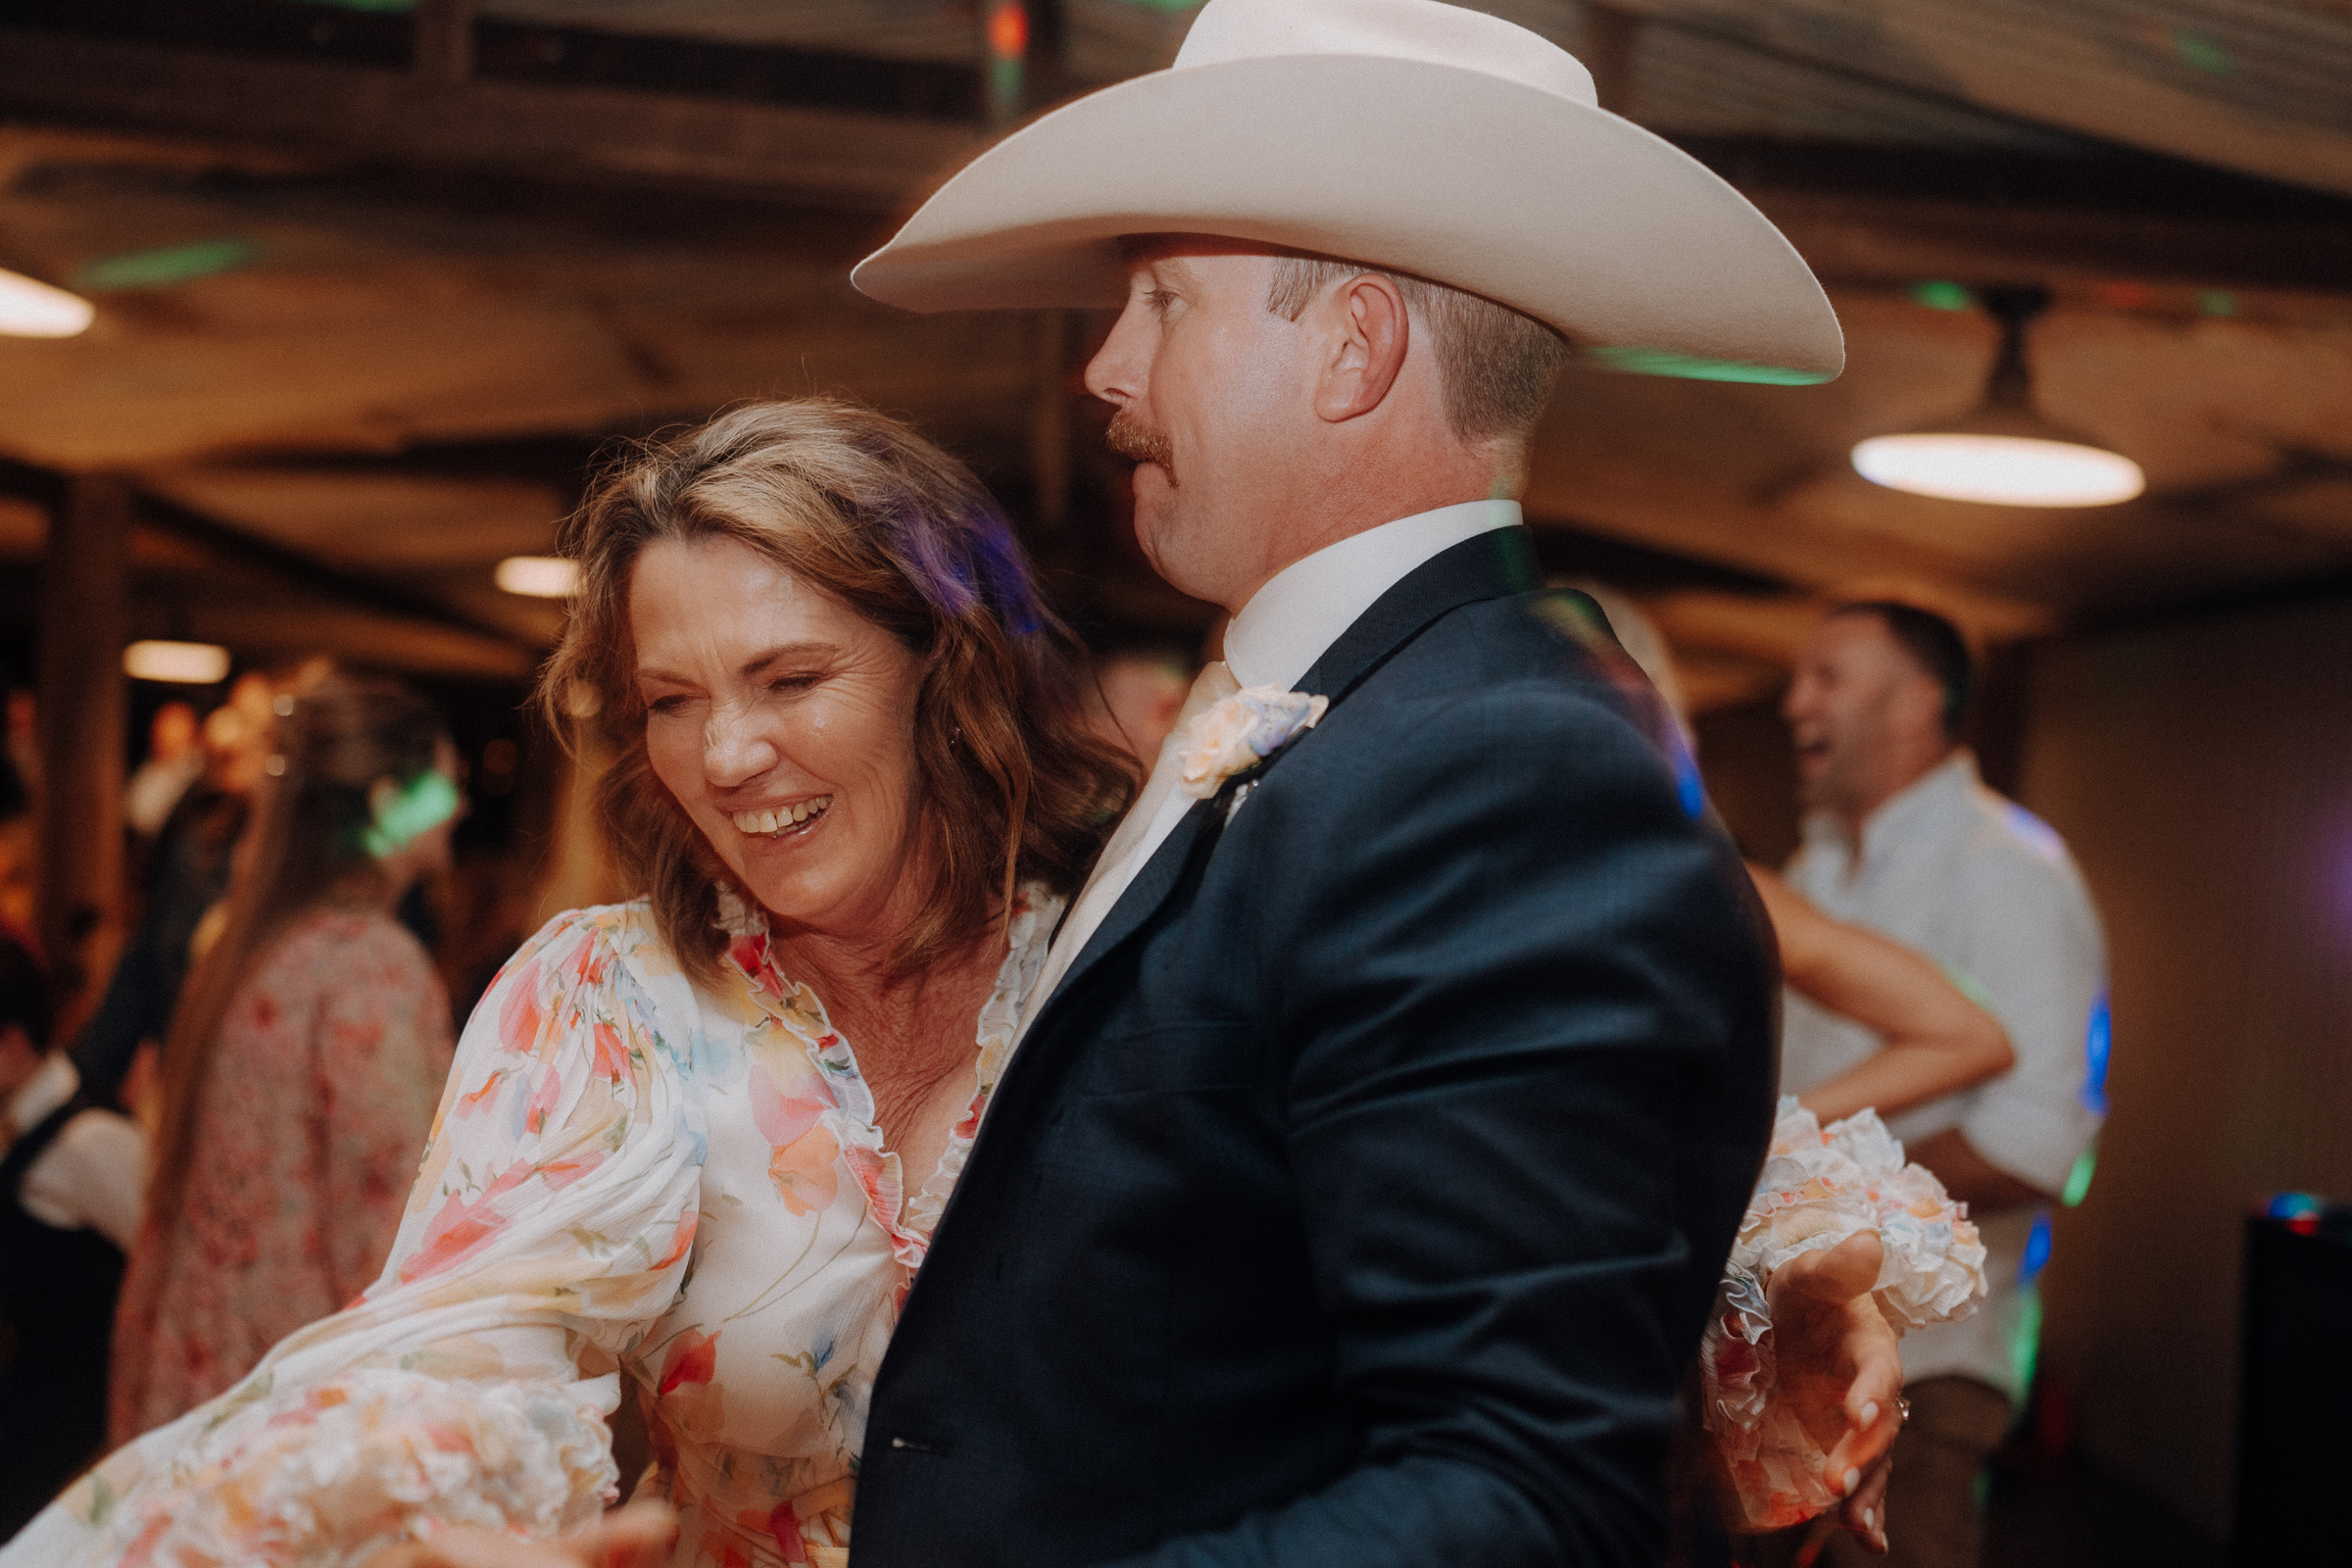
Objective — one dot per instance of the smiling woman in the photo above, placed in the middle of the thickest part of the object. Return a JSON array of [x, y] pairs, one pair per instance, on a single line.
[[857, 784], [802, 592]]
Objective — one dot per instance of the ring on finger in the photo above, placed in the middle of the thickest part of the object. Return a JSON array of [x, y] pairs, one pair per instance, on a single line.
[[1902, 1408]]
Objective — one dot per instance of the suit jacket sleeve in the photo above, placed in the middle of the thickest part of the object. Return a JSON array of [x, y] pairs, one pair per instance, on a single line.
[[1527, 1012]]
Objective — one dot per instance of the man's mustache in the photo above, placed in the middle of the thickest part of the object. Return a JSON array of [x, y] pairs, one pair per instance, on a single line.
[[1131, 438]]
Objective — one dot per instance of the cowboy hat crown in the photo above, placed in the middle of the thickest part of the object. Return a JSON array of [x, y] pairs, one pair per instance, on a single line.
[[1404, 134]]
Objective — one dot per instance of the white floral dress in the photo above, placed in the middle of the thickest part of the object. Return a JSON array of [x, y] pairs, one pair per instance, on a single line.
[[628, 1173]]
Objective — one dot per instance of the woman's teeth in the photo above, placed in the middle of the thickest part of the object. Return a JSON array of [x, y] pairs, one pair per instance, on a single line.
[[778, 820]]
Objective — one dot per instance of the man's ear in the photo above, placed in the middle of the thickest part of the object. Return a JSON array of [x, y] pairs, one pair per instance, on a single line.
[[1369, 333], [1921, 700]]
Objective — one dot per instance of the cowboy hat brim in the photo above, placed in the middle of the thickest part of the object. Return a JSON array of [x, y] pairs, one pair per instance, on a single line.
[[1632, 249]]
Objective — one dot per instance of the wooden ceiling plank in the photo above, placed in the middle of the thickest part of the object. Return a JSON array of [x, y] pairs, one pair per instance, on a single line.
[[863, 161]]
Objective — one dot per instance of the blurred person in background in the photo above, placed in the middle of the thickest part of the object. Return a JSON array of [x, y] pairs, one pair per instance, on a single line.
[[1902, 838], [1933, 1039], [188, 872], [174, 760], [303, 1064], [70, 1191], [1137, 697]]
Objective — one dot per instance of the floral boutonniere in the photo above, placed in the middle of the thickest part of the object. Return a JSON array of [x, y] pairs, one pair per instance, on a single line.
[[1241, 732]]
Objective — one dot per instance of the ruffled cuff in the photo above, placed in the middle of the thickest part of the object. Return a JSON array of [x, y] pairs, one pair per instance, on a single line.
[[1819, 1187], [371, 1458]]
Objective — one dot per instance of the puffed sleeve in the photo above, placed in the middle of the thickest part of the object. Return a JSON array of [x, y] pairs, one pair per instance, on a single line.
[[548, 1229]]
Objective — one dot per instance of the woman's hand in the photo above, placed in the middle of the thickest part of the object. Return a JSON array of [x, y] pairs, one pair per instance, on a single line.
[[638, 1536], [1841, 1373]]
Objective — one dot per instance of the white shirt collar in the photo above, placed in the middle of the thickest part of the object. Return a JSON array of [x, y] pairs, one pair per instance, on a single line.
[[51, 1085], [1304, 607], [1935, 796]]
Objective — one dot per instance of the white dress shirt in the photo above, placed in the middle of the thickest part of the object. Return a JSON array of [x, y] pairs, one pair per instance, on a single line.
[[93, 1175], [1274, 641], [1951, 869]]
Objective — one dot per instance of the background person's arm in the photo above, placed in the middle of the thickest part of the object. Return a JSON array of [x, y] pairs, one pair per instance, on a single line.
[[1938, 1042]]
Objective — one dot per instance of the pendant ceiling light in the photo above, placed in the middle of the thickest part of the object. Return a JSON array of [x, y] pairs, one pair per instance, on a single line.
[[2006, 453], [30, 307]]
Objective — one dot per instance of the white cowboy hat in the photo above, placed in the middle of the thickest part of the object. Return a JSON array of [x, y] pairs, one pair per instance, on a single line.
[[1404, 133]]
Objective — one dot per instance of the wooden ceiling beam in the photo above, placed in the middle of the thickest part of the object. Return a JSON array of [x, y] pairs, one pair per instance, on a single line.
[[1876, 238], [238, 550], [827, 156]]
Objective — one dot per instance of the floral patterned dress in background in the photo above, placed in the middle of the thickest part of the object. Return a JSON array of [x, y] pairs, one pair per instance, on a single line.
[[631, 1173], [319, 1100]]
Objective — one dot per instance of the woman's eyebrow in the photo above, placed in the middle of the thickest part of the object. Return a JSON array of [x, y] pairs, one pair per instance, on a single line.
[[786, 650], [753, 665]]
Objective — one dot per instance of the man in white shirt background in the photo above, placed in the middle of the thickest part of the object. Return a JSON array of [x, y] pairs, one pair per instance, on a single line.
[[1904, 837]]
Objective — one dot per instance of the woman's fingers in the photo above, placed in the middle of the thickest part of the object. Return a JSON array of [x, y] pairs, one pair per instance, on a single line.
[[1865, 1512]]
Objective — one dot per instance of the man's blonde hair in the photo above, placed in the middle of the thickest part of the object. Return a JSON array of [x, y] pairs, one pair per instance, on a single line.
[[1498, 366]]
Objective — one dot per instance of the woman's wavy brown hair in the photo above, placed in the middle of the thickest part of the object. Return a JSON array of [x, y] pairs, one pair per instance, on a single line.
[[1010, 784]]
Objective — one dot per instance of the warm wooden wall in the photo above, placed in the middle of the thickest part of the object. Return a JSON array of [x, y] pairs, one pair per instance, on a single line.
[[2202, 773]]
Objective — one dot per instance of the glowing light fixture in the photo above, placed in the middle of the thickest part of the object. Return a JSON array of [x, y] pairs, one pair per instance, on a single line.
[[539, 576], [30, 307], [1004, 23], [183, 664], [2006, 453]]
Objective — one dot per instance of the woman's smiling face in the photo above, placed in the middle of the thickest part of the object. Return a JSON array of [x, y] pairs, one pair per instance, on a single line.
[[783, 721]]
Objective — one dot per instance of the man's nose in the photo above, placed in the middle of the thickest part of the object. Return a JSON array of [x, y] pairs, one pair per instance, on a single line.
[[734, 751], [1117, 371]]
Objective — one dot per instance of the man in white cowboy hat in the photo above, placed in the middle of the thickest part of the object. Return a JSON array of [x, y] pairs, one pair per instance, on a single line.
[[1359, 1187], [1364, 1176]]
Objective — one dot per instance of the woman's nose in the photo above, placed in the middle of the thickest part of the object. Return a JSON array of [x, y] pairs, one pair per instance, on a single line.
[[734, 752]]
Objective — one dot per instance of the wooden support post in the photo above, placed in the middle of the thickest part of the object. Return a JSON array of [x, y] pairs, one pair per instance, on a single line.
[[1611, 36], [1049, 424], [445, 39], [85, 615]]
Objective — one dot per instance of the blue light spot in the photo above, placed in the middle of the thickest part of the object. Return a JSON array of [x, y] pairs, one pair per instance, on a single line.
[[1687, 783], [2292, 1206], [2096, 1045], [2038, 836], [2038, 1249]]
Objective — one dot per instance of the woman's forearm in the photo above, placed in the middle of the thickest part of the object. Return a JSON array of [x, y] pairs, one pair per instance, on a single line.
[[1938, 1042]]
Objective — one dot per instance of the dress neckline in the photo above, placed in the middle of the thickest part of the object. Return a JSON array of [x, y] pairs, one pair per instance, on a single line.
[[801, 1013]]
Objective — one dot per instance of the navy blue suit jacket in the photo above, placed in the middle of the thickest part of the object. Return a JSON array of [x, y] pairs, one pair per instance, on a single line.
[[1358, 1196]]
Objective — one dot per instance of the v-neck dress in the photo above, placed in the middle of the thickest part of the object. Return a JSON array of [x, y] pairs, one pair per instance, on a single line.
[[630, 1172]]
